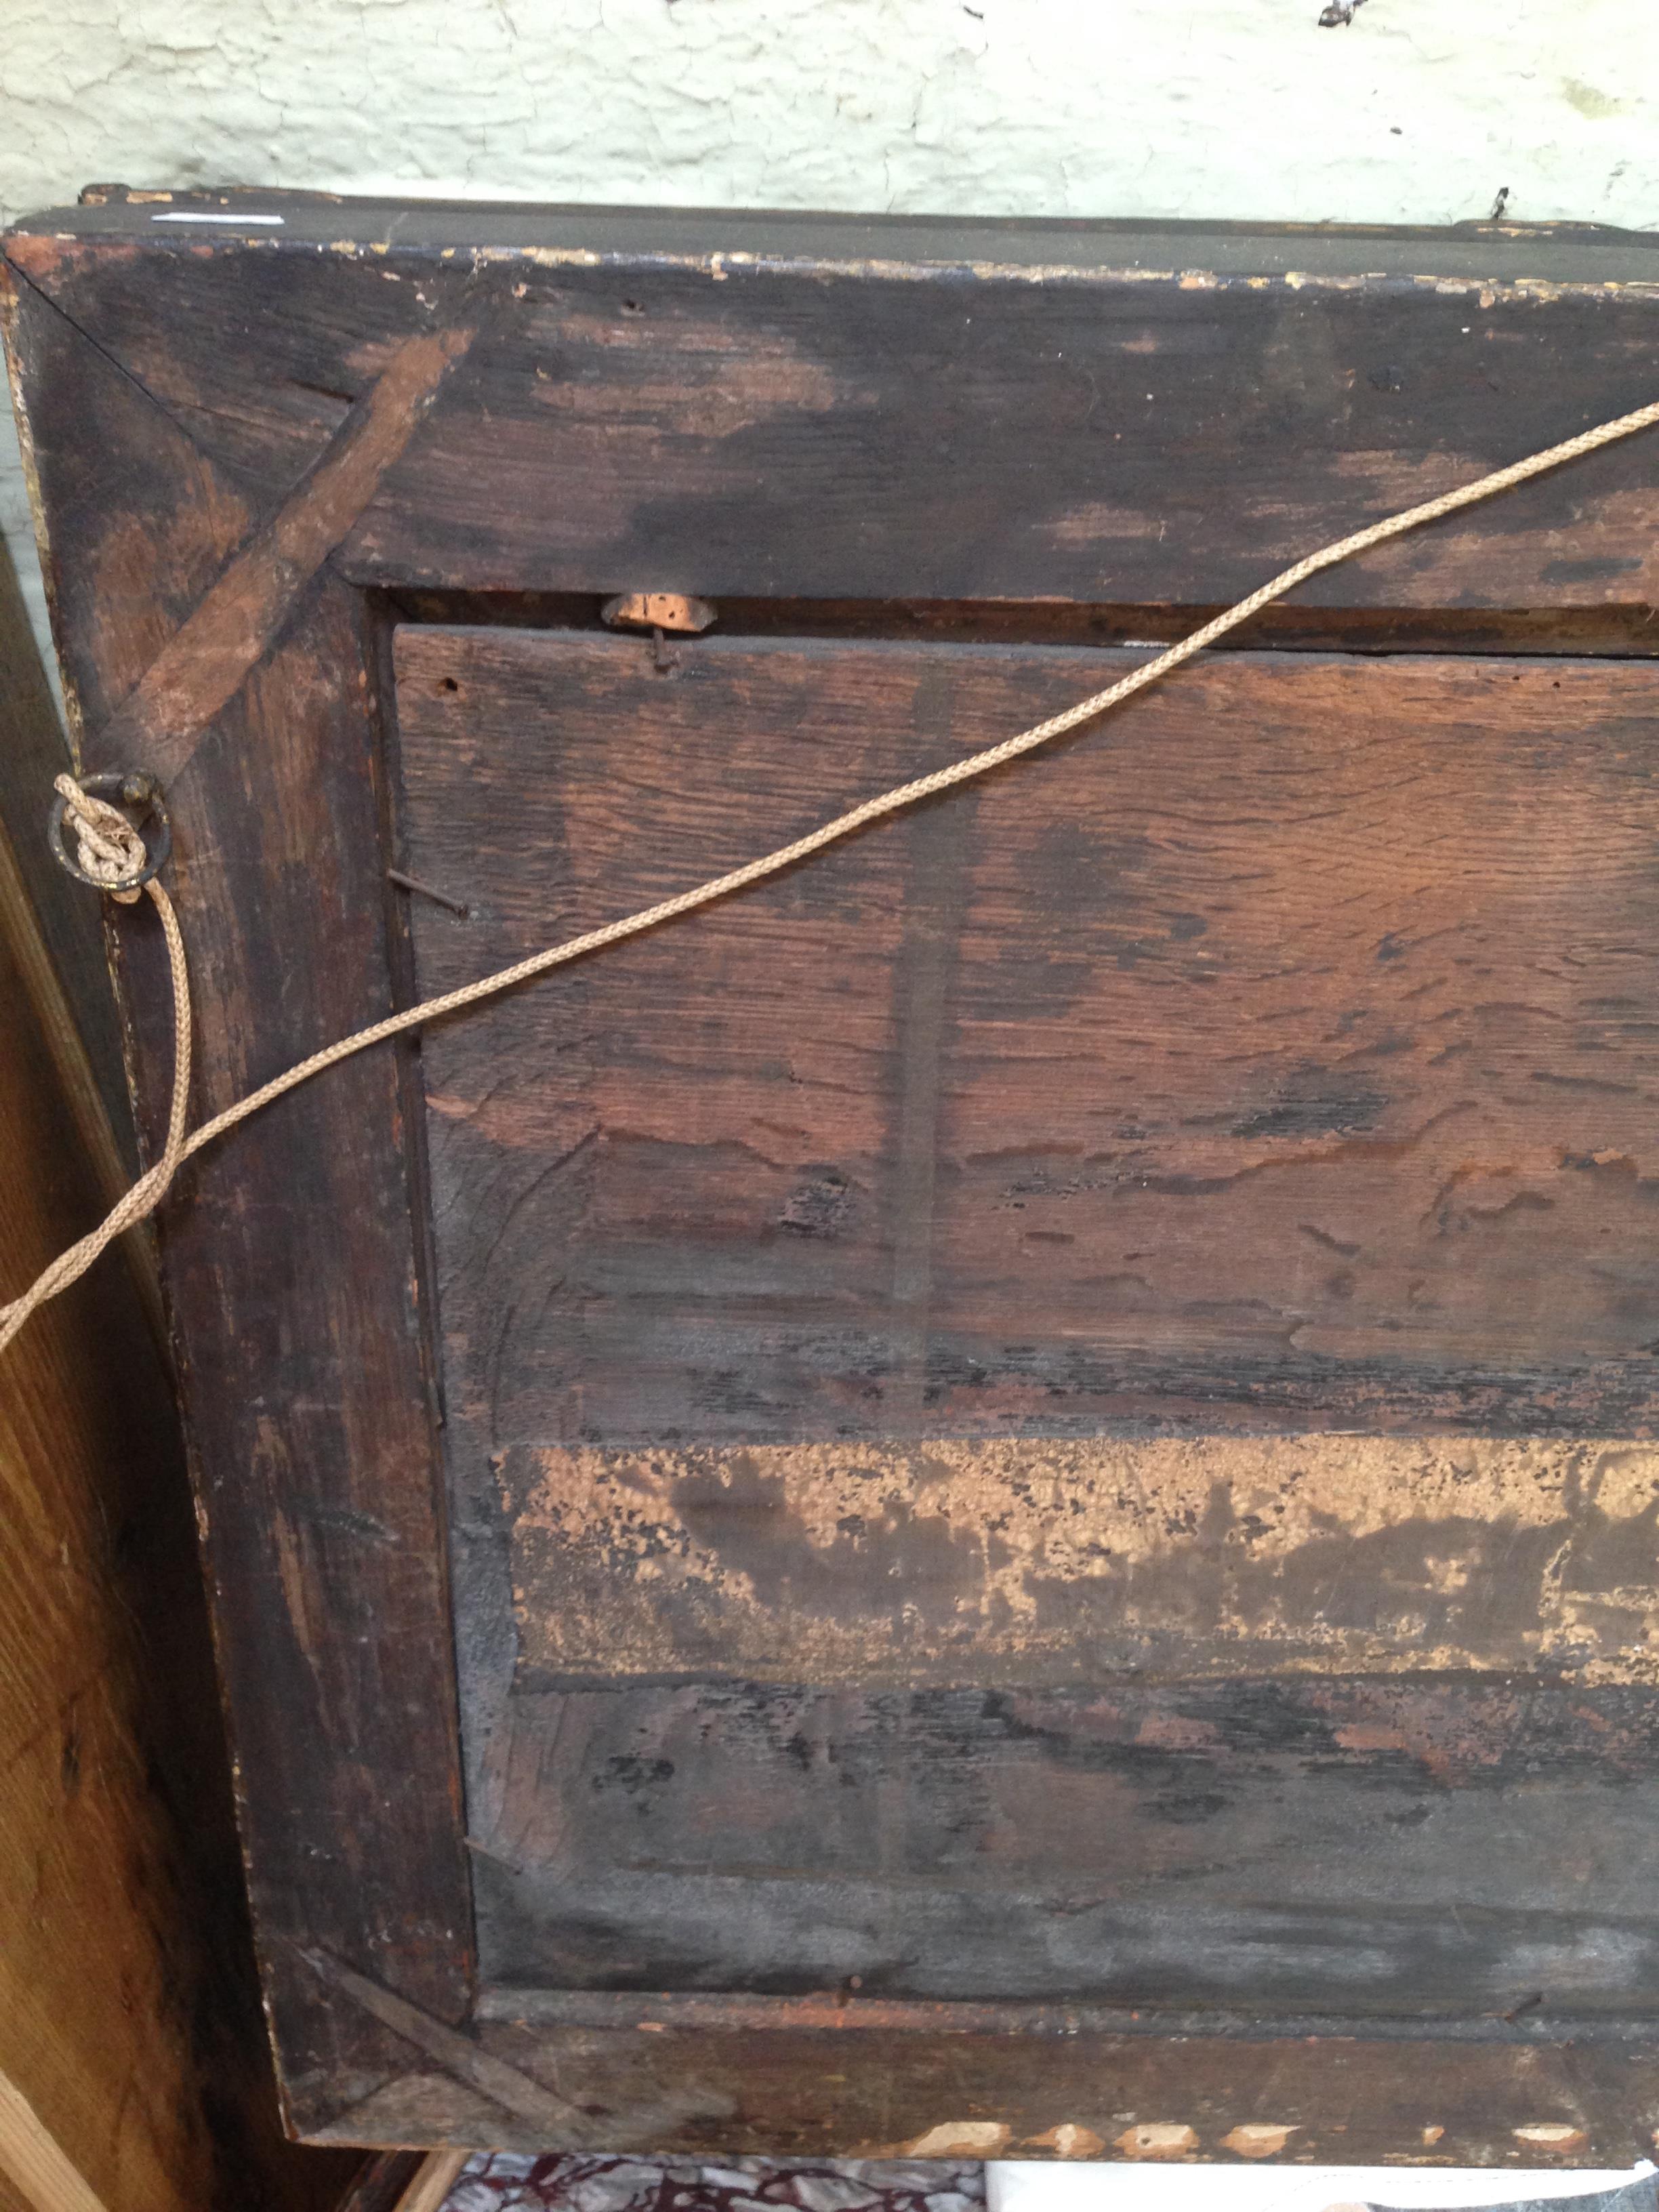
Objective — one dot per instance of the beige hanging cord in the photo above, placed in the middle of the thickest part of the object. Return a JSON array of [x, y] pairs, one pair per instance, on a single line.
[[112, 851]]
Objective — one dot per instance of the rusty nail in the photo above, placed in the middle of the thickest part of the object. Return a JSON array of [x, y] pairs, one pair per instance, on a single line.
[[425, 890]]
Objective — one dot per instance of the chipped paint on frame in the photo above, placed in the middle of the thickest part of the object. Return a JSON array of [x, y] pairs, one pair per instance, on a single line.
[[720, 264]]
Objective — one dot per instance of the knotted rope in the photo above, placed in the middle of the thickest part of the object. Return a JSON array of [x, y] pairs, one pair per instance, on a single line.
[[108, 844]]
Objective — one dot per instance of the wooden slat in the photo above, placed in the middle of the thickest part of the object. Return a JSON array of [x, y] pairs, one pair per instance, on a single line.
[[290, 1260], [429, 2190], [382, 2180], [801, 407], [821, 2079], [1423, 1851], [35, 2163]]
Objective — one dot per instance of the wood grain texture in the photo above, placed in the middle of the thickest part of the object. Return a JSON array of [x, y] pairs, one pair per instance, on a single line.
[[1419, 1850], [1328, 956], [832, 2078], [1108, 1068], [132, 2045], [34, 2164], [290, 1259], [12, 2198], [1277, 1056], [202, 665], [808, 407]]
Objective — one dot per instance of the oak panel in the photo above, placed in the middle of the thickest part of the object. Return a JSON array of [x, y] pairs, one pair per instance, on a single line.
[[1278, 1055], [1415, 1851], [802, 406], [666, 1227]]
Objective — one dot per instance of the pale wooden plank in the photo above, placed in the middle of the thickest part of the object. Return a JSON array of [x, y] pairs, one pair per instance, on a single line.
[[35, 2162], [439, 2171]]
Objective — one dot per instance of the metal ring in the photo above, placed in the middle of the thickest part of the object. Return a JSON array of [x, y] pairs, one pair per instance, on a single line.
[[141, 795]]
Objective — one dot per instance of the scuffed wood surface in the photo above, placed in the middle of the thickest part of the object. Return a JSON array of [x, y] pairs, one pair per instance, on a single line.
[[1275, 1057], [1280, 1056], [802, 407], [988, 2082], [1419, 1851], [290, 1256], [1054, 1561], [1275, 1063]]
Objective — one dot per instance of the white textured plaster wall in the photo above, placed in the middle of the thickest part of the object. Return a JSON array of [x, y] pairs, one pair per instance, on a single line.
[[1419, 111]]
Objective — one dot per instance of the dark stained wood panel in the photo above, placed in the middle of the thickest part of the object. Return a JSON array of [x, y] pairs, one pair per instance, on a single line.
[[132, 2040], [808, 406], [289, 1255], [1410, 1850], [1312, 1004], [734, 430], [853, 2078], [1279, 1056], [1260, 1006]]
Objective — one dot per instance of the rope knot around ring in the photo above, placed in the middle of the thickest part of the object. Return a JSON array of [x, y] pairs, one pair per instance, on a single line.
[[108, 847]]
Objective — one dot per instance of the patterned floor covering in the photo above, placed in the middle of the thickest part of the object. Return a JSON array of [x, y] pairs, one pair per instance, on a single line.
[[499, 2182]]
